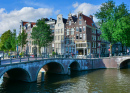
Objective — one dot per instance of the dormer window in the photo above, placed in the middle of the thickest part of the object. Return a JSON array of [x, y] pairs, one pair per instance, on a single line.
[[69, 22]]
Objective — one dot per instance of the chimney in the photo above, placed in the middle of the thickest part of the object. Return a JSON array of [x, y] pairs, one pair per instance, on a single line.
[[91, 17]]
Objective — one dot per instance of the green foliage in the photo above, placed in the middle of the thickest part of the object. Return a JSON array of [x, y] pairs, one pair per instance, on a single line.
[[42, 34], [9, 54], [14, 40], [53, 53], [8, 41], [21, 54], [5, 40], [115, 22], [22, 39]]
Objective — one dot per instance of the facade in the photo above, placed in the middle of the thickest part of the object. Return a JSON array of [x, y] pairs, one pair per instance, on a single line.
[[59, 34], [31, 47], [81, 35]]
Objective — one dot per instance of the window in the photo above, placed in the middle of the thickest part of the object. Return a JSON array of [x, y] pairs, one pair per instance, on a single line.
[[80, 36], [80, 22], [93, 37], [77, 29], [72, 31], [83, 36], [79, 17], [80, 29], [59, 19], [66, 49], [59, 24], [93, 44], [98, 38], [77, 36], [58, 37], [83, 28], [62, 37], [61, 30], [69, 22], [67, 31], [67, 41], [70, 49], [94, 31], [72, 40]]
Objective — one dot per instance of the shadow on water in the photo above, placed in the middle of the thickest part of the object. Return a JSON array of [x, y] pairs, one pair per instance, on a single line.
[[52, 81], [100, 81]]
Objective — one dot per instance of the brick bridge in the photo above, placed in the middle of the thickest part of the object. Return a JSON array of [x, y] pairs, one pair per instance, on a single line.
[[28, 71]]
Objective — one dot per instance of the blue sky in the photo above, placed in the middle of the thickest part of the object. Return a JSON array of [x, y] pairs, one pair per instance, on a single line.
[[13, 11]]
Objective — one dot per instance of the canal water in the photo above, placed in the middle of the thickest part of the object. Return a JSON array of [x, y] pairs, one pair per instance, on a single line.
[[92, 81]]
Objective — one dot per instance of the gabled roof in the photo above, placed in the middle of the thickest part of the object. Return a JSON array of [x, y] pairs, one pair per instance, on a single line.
[[89, 21], [64, 20], [74, 18], [24, 23]]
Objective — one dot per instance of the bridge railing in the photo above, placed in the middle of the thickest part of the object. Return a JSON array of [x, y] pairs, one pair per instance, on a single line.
[[47, 56]]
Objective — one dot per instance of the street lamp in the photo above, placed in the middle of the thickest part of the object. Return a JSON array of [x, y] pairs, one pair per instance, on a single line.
[[99, 49]]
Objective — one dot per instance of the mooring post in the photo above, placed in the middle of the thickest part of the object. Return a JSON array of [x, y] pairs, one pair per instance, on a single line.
[[42, 75], [69, 72]]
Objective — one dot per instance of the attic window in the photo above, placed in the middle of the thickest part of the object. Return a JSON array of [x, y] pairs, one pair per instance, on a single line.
[[59, 19], [69, 22], [80, 22], [79, 17]]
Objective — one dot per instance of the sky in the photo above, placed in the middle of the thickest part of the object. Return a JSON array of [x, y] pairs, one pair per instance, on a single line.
[[13, 11]]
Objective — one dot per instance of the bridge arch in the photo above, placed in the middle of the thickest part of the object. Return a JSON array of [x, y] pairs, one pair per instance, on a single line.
[[125, 63], [74, 65], [53, 67], [17, 74]]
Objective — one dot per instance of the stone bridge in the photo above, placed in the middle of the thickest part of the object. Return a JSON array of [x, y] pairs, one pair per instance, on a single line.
[[28, 71]]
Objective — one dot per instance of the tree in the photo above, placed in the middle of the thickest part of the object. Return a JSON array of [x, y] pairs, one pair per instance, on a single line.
[[110, 18], [122, 27], [22, 39], [6, 40], [14, 40], [42, 34]]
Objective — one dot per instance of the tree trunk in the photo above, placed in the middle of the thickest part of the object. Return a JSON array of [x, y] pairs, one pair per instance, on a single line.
[[110, 49]]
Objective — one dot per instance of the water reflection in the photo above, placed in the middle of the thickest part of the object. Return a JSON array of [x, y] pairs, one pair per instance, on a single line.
[[95, 81]]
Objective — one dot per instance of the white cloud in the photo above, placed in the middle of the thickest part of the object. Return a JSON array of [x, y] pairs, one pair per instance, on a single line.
[[12, 20], [75, 5], [2, 10], [87, 9], [57, 12]]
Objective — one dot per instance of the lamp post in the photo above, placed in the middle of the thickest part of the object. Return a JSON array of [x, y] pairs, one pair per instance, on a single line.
[[99, 49]]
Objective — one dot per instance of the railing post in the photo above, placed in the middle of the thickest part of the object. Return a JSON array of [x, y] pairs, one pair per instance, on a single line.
[[0, 60], [20, 58], [35, 57], [10, 59]]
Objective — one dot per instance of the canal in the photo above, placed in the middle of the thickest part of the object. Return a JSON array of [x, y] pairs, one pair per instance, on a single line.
[[92, 81]]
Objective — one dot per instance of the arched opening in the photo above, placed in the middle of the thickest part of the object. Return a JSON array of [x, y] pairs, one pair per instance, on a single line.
[[17, 74], [50, 68], [125, 64], [74, 66]]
